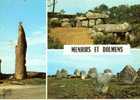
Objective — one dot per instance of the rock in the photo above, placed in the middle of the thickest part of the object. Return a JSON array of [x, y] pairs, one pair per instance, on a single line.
[[64, 73], [61, 74], [103, 78], [65, 22], [128, 74], [77, 73], [91, 23], [108, 71], [85, 23], [99, 21], [92, 73], [21, 48], [58, 74], [110, 28], [54, 19], [79, 20], [11, 77], [83, 75], [92, 15], [138, 72], [102, 82]]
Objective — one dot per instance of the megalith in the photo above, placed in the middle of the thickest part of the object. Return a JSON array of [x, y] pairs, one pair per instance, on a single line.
[[21, 48]]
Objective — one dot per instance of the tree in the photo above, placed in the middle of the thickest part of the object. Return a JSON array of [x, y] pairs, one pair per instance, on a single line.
[[102, 8], [62, 11], [52, 3]]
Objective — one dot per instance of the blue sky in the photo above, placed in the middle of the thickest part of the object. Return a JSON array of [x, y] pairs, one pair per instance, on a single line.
[[32, 15], [57, 60], [73, 6]]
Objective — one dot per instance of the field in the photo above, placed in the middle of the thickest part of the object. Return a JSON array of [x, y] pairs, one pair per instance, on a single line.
[[34, 88], [82, 89], [71, 35]]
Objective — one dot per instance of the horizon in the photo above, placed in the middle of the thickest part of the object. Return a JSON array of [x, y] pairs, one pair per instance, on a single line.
[[76, 6], [57, 60]]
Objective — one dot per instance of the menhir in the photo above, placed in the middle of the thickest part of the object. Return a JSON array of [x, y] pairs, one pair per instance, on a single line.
[[21, 48]]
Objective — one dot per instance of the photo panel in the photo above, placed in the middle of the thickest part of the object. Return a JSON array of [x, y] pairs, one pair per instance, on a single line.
[[93, 49]]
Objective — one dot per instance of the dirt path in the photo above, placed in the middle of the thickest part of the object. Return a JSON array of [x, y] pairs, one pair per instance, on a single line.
[[22, 92], [71, 35]]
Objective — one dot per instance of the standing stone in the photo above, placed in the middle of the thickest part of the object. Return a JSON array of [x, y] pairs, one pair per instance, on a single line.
[[92, 73], [21, 48], [64, 73], [102, 82], [91, 23], [108, 71], [83, 75], [128, 75], [58, 74], [77, 72], [138, 72], [65, 23], [85, 23]]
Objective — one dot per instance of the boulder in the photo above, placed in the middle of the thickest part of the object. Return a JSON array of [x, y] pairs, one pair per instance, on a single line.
[[109, 28], [83, 75], [91, 23], [102, 82], [64, 73], [108, 71], [65, 24], [128, 74], [54, 19], [85, 23], [92, 73], [77, 73], [94, 15], [99, 21], [58, 74]]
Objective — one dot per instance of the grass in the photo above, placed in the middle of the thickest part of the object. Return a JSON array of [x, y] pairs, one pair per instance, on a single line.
[[71, 36], [81, 89], [34, 81]]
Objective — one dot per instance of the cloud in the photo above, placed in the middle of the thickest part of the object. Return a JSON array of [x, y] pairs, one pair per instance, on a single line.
[[37, 38], [36, 62], [35, 53]]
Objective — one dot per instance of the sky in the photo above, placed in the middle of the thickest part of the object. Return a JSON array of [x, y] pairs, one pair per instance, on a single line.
[[74, 6], [57, 60], [32, 14]]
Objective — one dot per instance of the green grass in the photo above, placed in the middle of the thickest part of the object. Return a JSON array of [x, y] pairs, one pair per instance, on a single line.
[[81, 89]]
